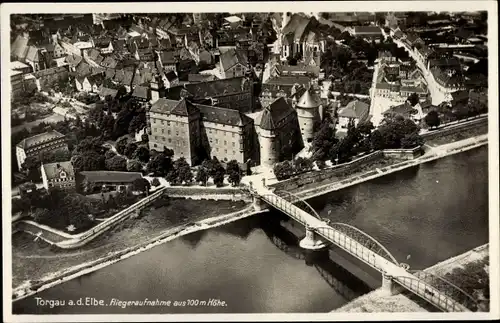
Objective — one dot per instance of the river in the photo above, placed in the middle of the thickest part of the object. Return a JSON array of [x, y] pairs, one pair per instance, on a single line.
[[421, 215]]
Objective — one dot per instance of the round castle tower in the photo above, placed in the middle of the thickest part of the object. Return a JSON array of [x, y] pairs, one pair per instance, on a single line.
[[267, 139], [308, 112]]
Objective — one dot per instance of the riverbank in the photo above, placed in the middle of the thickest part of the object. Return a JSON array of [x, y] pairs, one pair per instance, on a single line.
[[30, 288], [33, 262], [377, 301], [389, 166]]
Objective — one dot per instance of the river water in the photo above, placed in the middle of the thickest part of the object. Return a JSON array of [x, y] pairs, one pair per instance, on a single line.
[[422, 216]]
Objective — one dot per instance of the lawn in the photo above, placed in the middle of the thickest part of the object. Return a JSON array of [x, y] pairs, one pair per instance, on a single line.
[[32, 260]]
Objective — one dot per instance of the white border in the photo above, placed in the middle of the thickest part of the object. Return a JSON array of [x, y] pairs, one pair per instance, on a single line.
[[490, 6]]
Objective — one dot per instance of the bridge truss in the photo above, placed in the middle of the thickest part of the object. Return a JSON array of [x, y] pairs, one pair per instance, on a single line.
[[434, 289]]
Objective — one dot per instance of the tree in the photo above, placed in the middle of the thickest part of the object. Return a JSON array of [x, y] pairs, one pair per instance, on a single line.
[[234, 172], [413, 99], [461, 112], [159, 165], [142, 185], [155, 182], [109, 154], [88, 161], [185, 175], [411, 141], [302, 164], [134, 166], [283, 170], [320, 163], [130, 149], [55, 156], [116, 163], [365, 128], [137, 123], [219, 177], [121, 145], [41, 215], [142, 154], [323, 139], [432, 119], [202, 176]]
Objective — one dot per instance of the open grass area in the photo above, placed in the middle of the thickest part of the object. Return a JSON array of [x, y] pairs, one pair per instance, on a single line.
[[448, 138], [32, 260]]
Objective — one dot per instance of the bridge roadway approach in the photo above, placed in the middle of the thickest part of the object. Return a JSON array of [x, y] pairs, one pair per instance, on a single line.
[[319, 233]]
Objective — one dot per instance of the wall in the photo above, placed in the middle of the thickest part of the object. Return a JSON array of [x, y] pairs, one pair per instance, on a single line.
[[406, 154], [454, 129], [208, 193], [49, 77], [320, 175]]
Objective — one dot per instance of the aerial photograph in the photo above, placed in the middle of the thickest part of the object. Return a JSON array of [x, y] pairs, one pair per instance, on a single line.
[[249, 162]]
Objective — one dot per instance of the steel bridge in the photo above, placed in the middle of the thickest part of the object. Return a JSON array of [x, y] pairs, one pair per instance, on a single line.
[[437, 291]]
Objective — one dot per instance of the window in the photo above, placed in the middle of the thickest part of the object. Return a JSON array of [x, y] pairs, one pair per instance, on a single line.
[[225, 151], [168, 131], [217, 149], [168, 123], [217, 141], [233, 135], [162, 130], [225, 143], [234, 144], [169, 140], [155, 145], [177, 133], [161, 121]]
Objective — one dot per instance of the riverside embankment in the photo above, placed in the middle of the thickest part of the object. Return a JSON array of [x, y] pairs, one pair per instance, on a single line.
[[378, 301], [60, 276]]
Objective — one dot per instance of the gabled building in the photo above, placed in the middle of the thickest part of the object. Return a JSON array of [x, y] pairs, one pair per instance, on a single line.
[[38, 144], [195, 131], [234, 63], [355, 111], [170, 79], [58, 175]]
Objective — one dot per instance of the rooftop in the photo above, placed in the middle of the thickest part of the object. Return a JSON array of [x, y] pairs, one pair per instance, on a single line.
[[110, 176], [36, 140], [355, 109], [53, 170], [274, 113]]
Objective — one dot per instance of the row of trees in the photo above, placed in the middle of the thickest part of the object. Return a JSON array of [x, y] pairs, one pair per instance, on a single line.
[[445, 113], [393, 133]]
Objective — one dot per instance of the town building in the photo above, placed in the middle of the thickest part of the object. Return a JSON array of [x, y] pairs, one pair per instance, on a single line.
[[279, 132], [234, 93], [299, 34], [367, 32], [355, 111], [196, 131], [107, 180], [41, 143], [282, 87], [448, 74], [58, 175], [234, 63]]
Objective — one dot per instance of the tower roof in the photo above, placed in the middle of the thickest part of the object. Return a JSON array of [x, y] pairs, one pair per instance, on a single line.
[[308, 100], [266, 121]]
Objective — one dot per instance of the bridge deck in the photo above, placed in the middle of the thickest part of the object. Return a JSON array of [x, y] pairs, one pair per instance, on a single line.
[[399, 274]]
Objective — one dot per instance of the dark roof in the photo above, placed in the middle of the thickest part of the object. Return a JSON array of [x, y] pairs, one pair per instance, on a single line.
[[201, 78], [167, 57], [19, 48], [184, 108], [36, 140], [308, 100], [101, 176], [372, 30], [163, 105], [223, 116], [404, 109], [141, 92], [170, 75], [53, 170], [105, 91], [459, 96], [297, 26], [274, 113], [355, 109], [464, 33], [109, 62], [232, 57], [289, 80], [219, 87], [73, 59]]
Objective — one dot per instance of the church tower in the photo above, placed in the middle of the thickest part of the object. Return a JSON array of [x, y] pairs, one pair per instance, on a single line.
[[157, 88], [308, 113], [267, 139]]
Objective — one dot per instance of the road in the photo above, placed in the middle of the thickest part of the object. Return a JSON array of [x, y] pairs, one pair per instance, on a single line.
[[434, 89]]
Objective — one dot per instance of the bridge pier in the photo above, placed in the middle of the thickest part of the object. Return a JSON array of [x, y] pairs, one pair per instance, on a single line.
[[258, 204], [389, 287], [312, 241]]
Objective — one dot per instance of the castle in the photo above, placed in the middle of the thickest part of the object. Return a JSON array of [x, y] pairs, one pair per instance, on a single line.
[[197, 130]]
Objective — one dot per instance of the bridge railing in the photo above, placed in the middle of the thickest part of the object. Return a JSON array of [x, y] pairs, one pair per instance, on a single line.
[[430, 294]]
